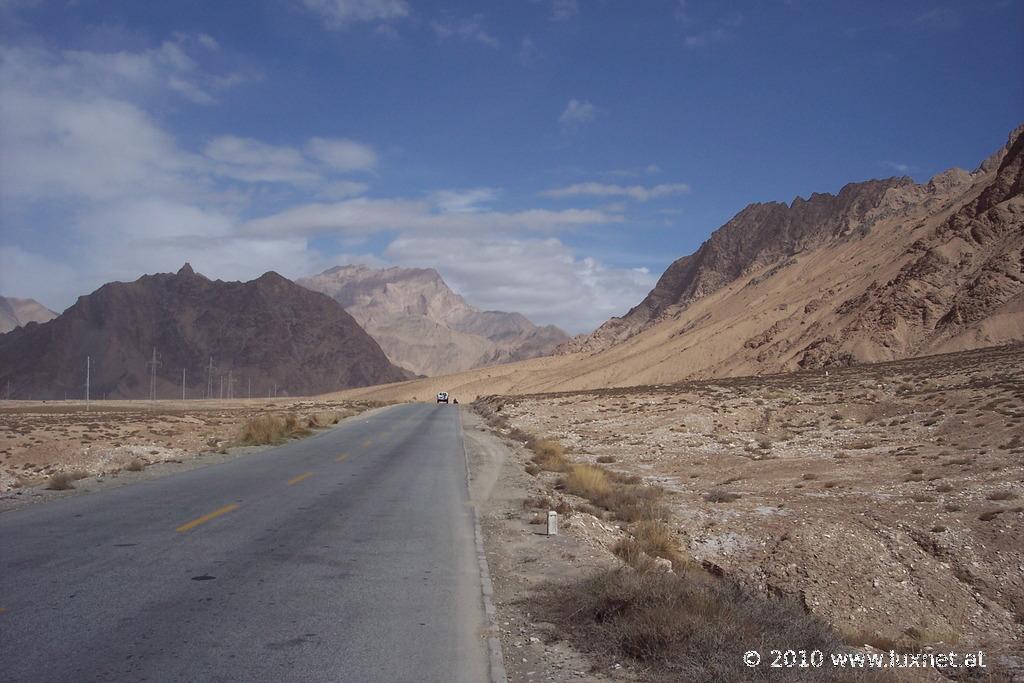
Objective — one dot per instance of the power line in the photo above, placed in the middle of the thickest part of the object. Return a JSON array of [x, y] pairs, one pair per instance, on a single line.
[[209, 380], [152, 375]]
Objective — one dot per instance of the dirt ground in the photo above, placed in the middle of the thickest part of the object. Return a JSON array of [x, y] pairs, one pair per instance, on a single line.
[[522, 559], [889, 498], [39, 439]]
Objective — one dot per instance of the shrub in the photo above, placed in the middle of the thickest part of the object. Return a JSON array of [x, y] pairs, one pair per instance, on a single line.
[[323, 419], [548, 455], [605, 459], [685, 626], [719, 496], [271, 429], [62, 481], [1002, 495], [136, 465]]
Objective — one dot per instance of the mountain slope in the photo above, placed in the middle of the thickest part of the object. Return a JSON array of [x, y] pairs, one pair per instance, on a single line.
[[885, 270], [269, 331], [17, 312], [424, 326]]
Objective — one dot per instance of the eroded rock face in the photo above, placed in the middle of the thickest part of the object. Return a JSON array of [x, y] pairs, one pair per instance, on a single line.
[[269, 330], [924, 268], [424, 326], [18, 312]]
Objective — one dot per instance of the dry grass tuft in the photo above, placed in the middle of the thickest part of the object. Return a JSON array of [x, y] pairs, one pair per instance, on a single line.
[[136, 465], [687, 625], [271, 429], [719, 496], [324, 418], [548, 454], [62, 481]]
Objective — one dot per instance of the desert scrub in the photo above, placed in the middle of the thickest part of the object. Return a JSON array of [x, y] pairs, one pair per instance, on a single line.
[[685, 625], [271, 429], [63, 481], [548, 454], [625, 497], [650, 539], [324, 418]]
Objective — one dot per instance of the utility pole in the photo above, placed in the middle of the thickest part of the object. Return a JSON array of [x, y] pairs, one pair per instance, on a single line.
[[275, 389], [183, 384], [249, 394], [209, 380], [152, 375], [231, 386], [88, 369], [222, 386], [8, 390]]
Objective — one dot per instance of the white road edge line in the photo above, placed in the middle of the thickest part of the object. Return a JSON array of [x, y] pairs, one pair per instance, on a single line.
[[497, 659]]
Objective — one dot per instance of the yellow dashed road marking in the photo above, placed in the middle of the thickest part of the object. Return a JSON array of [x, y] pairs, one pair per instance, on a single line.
[[367, 442], [2, 610], [206, 518], [296, 480], [342, 457]]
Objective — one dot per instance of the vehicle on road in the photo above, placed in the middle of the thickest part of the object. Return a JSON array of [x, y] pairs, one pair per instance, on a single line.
[[442, 397]]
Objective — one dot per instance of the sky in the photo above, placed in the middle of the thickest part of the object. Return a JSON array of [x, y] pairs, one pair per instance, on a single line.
[[550, 157]]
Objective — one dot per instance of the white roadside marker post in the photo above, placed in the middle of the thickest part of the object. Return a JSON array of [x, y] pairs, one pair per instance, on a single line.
[[552, 523]]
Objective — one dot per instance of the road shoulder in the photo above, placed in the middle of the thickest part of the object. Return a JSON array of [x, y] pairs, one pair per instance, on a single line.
[[522, 560]]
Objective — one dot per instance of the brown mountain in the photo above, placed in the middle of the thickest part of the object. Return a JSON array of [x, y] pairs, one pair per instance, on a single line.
[[270, 332], [883, 270], [17, 312], [424, 326]]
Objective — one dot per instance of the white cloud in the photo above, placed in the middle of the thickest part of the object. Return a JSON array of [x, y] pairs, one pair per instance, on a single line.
[[366, 216], [342, 189], [705, 38], [254, 161], [541, 278], [564, 10], [898, 167], [469, 29], [339, 13], [577, 112], [342, 154], [463, 201], [637, 192], [30, 275], [529, 53]]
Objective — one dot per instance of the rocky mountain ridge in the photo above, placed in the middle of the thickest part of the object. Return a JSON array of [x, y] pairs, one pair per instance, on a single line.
[[426, 327], [266, 335]]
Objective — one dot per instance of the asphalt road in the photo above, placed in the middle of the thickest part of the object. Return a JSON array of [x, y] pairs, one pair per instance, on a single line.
[[347, 556]]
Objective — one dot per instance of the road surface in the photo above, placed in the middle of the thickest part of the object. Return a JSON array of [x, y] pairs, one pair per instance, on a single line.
[[346, 556]]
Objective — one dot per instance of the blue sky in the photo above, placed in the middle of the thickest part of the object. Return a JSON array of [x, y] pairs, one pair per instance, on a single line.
[[547, 156]]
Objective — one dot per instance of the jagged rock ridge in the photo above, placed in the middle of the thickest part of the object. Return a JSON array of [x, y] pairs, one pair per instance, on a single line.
[[269, 331]]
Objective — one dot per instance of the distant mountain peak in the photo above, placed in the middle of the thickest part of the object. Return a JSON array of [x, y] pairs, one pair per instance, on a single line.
[[425, 326], [186, 270], [17, 312]]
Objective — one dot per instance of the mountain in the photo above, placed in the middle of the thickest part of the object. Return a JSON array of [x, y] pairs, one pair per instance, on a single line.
[[17, 312], [909, 269], [269, 331], [883, 270], [424, 326]]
